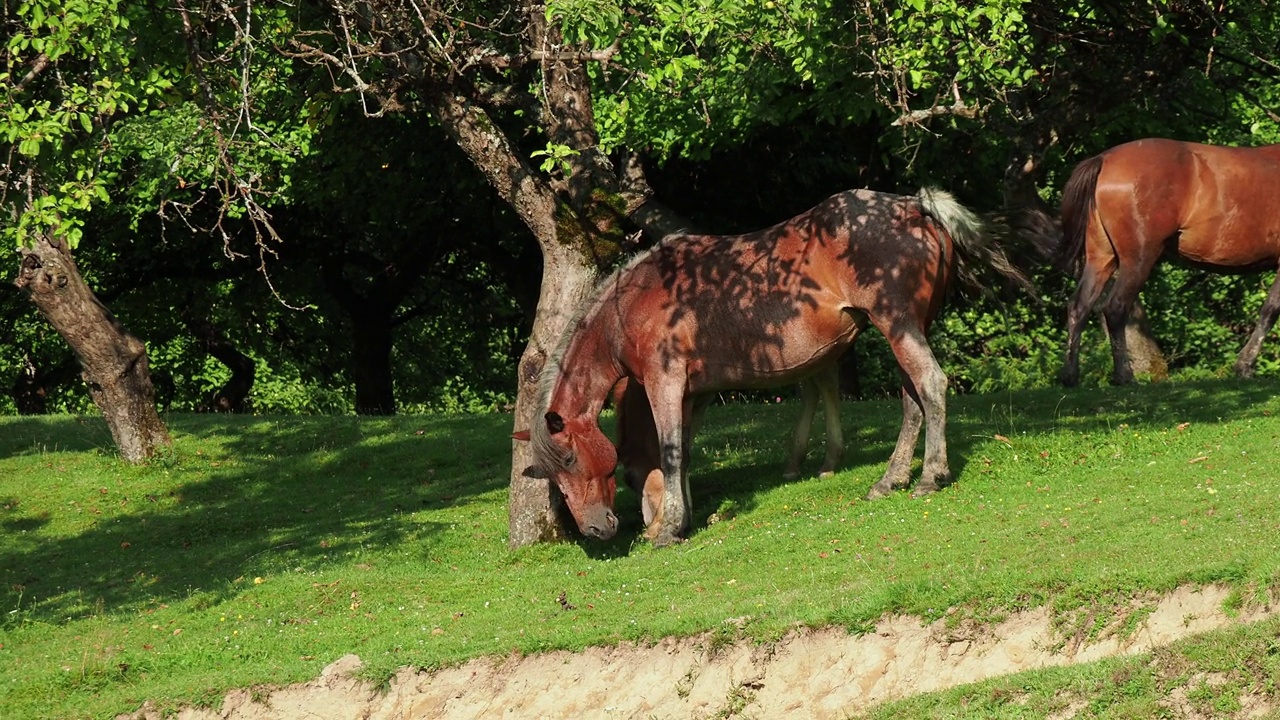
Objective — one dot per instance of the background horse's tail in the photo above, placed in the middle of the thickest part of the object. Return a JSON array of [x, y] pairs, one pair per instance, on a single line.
[[974, 241], [1078, 202]]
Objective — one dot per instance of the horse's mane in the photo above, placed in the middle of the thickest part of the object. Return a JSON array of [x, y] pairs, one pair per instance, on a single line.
[[546, 453]]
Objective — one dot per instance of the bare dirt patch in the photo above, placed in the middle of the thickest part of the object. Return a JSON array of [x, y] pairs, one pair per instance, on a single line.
[[816, 674]]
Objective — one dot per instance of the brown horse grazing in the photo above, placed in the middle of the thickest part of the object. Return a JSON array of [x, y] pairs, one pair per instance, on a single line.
[[640, 455], [1214, 207], [700, 313]]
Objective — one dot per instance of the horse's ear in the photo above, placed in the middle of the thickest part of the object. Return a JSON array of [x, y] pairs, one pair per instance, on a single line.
[[555, 423], [533, 471], [521, 435]]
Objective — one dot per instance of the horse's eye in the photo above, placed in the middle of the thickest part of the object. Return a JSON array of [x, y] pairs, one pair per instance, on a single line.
[[570, 460]]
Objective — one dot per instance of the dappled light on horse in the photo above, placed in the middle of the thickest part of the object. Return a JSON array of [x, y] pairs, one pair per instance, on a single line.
[[640, 456], [1212, 207], [701, 313]]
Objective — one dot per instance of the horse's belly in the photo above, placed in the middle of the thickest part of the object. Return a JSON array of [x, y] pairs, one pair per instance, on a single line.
[[765, 360], [1226, 246]]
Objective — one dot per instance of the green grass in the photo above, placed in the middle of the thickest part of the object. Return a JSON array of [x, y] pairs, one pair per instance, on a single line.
[[265, 548]]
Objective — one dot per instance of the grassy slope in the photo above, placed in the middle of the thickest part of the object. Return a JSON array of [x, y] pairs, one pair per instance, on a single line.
[[267, 547]]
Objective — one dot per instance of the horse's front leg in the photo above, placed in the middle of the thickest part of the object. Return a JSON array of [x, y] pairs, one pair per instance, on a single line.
[[673, 416], [1249, 353], [828, 382], [800, 435]]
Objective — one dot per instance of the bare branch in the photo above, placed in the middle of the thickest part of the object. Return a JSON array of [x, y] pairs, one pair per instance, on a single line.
[[41, 63]]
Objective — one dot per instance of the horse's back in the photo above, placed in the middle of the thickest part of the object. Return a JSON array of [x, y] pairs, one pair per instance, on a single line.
[[1222, 204], [766, 306]]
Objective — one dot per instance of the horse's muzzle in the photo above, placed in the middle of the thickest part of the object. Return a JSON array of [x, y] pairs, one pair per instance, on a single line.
[[602, 526]]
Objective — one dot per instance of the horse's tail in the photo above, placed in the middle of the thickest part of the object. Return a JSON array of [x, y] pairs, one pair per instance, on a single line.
[[1078, 203], [975, 243]]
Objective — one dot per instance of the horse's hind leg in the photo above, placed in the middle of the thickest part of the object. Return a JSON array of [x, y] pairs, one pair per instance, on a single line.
[[1093, 280], [1124, 293], [898, 474], [1249, 353], [924, 398]]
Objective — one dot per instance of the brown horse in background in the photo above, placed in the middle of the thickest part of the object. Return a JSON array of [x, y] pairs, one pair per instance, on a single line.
[[640, 456], [1122, 210], [701, 313]]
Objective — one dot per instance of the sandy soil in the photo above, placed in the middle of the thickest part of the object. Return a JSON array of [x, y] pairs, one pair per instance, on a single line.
[[815, 674]]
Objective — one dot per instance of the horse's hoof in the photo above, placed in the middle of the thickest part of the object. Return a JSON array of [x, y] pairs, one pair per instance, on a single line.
[[923, 489], [662, 540], [826, 473], [790, 475], [876, 492]]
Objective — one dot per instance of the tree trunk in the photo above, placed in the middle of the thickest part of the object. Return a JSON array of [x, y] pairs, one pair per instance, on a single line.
[[231, 397], [578, 230], [1145, 356], [34, 384], [113, 362], [371, 362]]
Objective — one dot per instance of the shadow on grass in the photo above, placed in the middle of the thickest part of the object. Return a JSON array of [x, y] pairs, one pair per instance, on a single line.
[[250, 496], [871, 430], [259, 495]]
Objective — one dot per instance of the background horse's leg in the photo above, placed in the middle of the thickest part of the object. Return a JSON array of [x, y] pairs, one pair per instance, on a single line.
[[824, 383], [1124, 293], [828, 382], [1270, 309], [800, 435]]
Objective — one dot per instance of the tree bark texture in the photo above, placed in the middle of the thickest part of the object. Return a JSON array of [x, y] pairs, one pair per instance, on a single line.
[[1145, 356], [114, 362]]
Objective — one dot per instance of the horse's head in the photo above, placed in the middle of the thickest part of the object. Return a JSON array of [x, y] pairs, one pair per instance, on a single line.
[[580, 459]]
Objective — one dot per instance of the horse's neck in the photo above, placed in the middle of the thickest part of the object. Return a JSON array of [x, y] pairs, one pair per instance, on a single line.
[[588, 371]]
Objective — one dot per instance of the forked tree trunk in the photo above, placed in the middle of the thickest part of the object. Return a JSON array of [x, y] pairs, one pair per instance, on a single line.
[[113, 362], [232, 396]]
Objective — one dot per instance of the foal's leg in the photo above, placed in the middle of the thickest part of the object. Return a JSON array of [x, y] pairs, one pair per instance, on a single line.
[[1270, 309]]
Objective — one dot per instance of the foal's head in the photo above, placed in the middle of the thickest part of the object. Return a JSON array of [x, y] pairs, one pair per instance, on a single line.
[[580, 459]]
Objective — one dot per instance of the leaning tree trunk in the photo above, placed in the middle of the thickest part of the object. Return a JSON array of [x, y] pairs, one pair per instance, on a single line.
[[1145, 356], [536, 511], [113, 362]]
